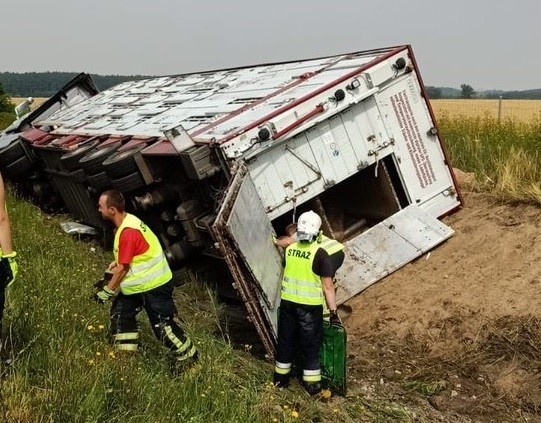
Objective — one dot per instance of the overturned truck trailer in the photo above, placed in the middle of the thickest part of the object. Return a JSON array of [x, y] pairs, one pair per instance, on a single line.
[[217, 162]]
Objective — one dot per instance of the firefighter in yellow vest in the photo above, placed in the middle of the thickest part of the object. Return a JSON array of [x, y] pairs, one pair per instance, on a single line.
[[306, 287], [8, 264], [141, 271], [334, 249]]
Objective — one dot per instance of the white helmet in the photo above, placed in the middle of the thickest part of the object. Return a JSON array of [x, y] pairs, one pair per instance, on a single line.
[[308, 226]]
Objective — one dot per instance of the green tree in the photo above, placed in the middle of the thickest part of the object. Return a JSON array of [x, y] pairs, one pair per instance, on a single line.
[[433, 92], [5, 102], [466, 91]]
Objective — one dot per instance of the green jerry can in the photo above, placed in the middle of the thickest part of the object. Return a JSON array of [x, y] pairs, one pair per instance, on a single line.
[[333, 358]]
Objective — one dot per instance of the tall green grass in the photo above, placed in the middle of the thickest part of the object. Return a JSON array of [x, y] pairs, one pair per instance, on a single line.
[[6, 119], [505, 157], [57, 365]]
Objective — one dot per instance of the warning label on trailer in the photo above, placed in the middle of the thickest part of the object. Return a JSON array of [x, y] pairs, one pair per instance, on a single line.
[[414, 141]]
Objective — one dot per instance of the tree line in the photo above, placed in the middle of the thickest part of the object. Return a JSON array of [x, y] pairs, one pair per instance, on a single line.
[[466, 91], [45, 84]]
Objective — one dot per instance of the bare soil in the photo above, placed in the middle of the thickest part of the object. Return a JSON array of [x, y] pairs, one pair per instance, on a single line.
[[456, 335]]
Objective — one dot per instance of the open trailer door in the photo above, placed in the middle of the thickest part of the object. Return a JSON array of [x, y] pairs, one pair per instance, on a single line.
[[386, 247], [243, 234]]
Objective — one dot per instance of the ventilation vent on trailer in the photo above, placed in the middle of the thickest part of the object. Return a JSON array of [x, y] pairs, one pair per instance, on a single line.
[[246, 100]]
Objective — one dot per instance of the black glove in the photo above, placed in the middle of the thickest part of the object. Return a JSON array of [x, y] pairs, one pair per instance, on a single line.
[[104, 280], [100, 283], [334, 318]]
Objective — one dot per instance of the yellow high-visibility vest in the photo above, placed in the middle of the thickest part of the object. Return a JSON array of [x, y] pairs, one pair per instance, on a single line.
[[330, 245], [300, 284], [148, 270]]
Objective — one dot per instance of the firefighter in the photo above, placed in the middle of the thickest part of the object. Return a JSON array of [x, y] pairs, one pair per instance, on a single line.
[[143, 274], [306, 287], [334, 249], [8, 264]]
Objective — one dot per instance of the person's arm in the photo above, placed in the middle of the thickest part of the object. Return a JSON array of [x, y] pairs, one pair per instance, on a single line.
[[323, 268], [119, 272], [330, 294], [5, 228], [284, 241]]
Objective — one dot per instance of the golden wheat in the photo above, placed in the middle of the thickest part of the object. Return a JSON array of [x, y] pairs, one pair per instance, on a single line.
[[516, 110], [38, 101]]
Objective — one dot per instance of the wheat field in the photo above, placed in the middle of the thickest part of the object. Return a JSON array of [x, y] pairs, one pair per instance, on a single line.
[[38, 101], [515, 110]]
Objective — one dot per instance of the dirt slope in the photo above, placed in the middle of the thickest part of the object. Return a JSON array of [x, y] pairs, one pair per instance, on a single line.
[[456, 335]]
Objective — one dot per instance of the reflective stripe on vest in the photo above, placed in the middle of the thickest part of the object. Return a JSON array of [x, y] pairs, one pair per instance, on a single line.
[[330, 245], [148, 270], [300, 284]]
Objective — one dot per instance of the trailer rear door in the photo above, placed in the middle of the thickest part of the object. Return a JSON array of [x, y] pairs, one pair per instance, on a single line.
[[244, 236], [386, 247]]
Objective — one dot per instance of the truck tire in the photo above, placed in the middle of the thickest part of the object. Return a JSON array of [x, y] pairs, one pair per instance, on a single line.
[[91, 162], [129, 183], [99, 181], [12, 153], [71, 159], [19, 166], [122, 163]]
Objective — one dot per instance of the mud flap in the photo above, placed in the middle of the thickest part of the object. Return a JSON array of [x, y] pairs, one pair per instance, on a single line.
[[334, 358]]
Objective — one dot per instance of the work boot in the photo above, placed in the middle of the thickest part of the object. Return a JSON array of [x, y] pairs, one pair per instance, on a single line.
[[312, 388], [281, 381], [182, 366]]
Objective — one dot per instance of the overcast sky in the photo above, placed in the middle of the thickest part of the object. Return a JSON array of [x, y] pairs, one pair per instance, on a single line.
[[488, 44]]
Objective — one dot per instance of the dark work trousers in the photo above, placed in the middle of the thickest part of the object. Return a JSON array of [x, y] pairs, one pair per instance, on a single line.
[[160, 308], [299, 327]]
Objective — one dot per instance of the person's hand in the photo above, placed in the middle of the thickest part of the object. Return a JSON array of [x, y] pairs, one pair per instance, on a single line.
[[104, 295], [104, 280], [13, 266], [334, 318]]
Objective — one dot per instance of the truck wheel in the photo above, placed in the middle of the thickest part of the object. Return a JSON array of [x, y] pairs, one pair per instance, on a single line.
[[19, 166], [91, 162], [122, 163], [129, 183], [12, 153], [71, 159], [100, 181]]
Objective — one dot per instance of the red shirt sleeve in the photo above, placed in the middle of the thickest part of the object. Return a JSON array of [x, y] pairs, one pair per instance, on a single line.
[[131, 243]]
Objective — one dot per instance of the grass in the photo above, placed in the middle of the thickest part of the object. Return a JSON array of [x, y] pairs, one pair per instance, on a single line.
[[6, 119], [426, 389], [58, 366], [505, 157]]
